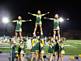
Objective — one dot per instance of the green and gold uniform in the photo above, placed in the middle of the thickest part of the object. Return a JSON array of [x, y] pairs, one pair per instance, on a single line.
[[56, 47], [38, 19], [56, 24], [62, 51], [34, 45], [42, 43], [19, 26], [51, 49]]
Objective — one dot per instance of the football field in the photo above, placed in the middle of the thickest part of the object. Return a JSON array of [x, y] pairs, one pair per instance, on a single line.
[[72, 47]]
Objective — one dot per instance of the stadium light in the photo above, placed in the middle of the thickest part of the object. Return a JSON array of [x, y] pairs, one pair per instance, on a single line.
[[5, 20], [61, 19]]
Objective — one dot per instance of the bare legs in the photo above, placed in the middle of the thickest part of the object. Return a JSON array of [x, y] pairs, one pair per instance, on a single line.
[[41, 29], [56, 32], [33, 56], [35, 30], [40, 25], [20, 34]]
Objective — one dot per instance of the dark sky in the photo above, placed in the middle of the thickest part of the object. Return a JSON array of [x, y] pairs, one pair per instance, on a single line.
[[67, 9]]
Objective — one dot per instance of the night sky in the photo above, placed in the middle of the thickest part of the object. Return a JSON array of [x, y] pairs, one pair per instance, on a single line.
[[67, 9]]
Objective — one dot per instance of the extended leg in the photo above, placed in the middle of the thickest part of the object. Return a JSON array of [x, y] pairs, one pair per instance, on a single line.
[[58, 34], [20, 34], [35, 30], [54, 35], [41, 30]]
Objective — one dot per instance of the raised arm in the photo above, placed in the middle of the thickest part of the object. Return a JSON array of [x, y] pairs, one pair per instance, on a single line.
[[32, 14], [45, 14]]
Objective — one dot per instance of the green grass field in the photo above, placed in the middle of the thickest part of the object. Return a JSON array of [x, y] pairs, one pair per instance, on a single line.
[[72, 47]]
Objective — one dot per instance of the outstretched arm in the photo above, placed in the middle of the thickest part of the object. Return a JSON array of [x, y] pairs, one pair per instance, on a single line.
[[30, 20], [45, 14], [26, 21], [32, 14], [49, 18], [14, 21], [23, 20]]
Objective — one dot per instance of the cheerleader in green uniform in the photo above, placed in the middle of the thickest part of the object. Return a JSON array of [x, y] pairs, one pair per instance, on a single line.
[[51, 49], [22, 51], [42, 43], [39, 48], [19, 26], [62, 51], [56, 48], [34, 49], [56, 25], [38, 21]]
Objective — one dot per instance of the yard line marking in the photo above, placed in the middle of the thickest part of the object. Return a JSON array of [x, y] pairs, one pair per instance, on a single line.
[[70, 46]]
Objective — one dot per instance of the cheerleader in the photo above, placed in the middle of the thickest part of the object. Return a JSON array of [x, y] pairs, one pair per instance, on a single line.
[[56, 25], [56, 48], [34, 49], [38, 21], [18, 29], [42, 43], [62, 51], [51, 49]]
